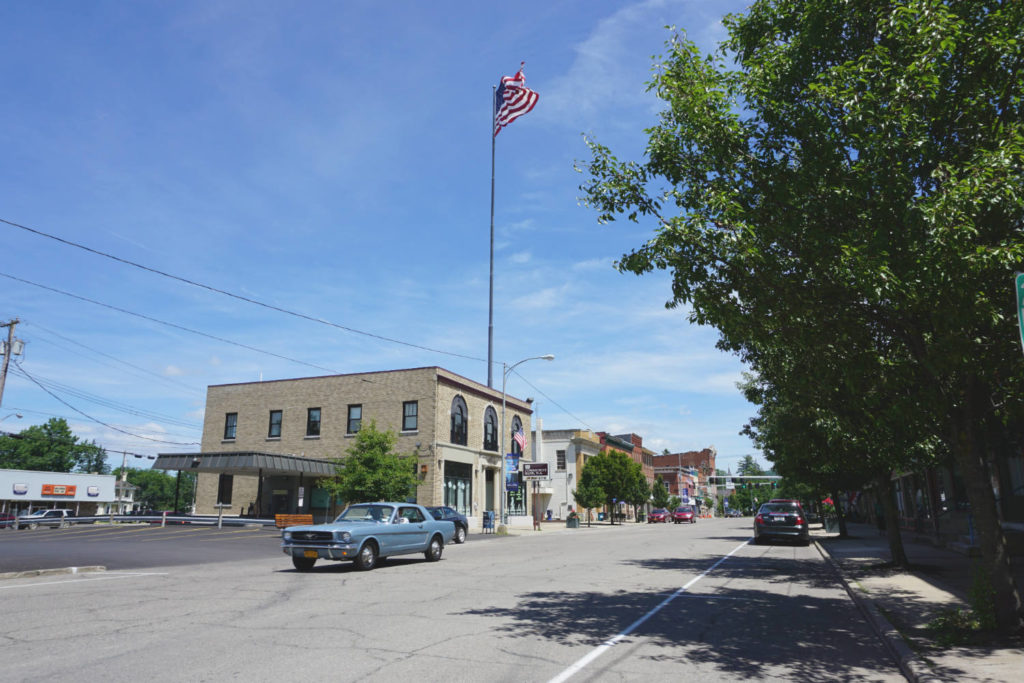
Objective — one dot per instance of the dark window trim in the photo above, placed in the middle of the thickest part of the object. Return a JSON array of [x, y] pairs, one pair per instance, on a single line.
[[415, 416], [270, 426], [310, 430], [232, 424], [358, 421]]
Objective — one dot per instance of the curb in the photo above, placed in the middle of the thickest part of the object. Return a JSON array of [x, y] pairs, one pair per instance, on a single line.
[[910, 664], [49, 572]]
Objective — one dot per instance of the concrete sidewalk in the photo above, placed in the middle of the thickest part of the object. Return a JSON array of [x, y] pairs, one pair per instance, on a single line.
[[900, 604]]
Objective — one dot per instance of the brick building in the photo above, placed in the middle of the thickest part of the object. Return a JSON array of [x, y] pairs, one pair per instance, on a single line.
[[266, 445]]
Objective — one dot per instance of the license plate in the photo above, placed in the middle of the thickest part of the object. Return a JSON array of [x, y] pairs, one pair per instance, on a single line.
[[309, 553]]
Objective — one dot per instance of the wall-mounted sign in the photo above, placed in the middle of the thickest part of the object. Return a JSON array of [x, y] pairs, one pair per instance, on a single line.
[[20, 489], [93, 491], [534, 471], [59, 490]]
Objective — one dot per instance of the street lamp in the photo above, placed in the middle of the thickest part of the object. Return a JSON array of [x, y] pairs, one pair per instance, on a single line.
[[17, 415], [505, 369]]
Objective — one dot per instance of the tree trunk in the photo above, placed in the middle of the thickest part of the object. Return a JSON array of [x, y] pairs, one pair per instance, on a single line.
[[897, 554], [840, 517], [969, 451]]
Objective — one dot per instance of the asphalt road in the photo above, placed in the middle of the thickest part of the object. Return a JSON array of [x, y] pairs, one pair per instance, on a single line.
[[635, 602]]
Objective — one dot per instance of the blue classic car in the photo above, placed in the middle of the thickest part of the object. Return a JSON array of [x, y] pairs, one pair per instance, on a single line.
[[367, 532]]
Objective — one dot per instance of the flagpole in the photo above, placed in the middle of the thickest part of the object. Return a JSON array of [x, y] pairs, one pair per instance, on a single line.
[[490, 306]]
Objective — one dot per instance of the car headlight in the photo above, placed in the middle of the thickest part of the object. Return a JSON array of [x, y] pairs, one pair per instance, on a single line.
[[344, 537], [286, 535]]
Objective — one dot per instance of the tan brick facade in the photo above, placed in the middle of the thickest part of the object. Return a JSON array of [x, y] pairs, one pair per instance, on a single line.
[[381, 396]]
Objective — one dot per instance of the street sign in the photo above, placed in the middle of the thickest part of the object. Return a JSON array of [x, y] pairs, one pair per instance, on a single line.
[[535, 471], [1019, 282]]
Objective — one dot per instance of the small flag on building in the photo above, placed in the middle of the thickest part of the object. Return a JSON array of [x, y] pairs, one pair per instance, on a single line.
[[520, 438], [512, 99]]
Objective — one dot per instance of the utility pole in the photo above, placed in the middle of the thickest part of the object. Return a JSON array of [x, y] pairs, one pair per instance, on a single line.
[[8, 352]]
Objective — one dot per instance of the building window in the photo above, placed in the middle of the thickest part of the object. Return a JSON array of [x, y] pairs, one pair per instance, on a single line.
[[458, 435], [275, 424], [230, 425], [313, 422], [224, 485], [490, 430], [410, 416], [560, 461], [355, 418], [518, 436]]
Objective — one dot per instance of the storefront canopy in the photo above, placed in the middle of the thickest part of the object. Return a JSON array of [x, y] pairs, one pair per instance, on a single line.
[[244, 463]]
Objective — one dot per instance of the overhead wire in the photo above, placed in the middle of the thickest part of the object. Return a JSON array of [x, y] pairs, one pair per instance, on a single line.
[[97, 421], [239, 297]]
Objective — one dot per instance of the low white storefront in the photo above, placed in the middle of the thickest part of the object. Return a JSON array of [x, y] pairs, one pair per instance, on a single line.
[[22, 490]]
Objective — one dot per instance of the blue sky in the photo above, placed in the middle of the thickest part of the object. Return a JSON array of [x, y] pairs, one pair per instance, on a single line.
[[333, 159]]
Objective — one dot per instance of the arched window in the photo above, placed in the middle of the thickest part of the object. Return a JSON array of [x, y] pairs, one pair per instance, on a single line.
[[518, 437], [458, 421], [490, 430]]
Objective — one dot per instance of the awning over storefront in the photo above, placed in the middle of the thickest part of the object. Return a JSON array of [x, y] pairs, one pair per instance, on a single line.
[[244, 463]]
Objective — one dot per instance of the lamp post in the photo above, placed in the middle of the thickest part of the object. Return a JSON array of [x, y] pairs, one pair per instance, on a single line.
[[505, 369]]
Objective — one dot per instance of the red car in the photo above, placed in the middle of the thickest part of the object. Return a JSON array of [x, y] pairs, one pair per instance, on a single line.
[[657, 515], [684, 513]]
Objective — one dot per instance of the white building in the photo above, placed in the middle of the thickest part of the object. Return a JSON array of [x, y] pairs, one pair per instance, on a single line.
[[565, 451], [25, 490]]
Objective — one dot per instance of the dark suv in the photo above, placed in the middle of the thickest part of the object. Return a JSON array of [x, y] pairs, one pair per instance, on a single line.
[[781, 519]]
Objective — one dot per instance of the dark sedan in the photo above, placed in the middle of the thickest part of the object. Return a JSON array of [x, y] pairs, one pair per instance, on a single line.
[[781, 520], [450, 514]]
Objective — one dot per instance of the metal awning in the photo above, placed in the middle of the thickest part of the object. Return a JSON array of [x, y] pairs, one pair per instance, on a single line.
[[244, 462]]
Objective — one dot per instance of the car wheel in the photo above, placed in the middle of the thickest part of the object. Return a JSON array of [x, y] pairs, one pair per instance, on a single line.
[[367, 557], [303, 564], [460, 535], [65, 525], [433, 553], [33, 525]]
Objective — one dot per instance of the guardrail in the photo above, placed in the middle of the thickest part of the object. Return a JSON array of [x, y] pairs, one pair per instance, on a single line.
[[161, 519]]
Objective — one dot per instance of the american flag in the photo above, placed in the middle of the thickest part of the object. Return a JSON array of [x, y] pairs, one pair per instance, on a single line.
[[520, 438], [512, 99]]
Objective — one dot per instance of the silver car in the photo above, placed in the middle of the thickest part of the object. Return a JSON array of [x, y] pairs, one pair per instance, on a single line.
[[366, 533]]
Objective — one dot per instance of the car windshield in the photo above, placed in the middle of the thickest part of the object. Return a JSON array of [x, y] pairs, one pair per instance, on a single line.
[[366, 513], [684, 509]]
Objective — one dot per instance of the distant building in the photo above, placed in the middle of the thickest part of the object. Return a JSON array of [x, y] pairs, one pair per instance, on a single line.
[[565, 451]]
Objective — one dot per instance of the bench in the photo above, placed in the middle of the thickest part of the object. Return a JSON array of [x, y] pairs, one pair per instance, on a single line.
[[282, 521]]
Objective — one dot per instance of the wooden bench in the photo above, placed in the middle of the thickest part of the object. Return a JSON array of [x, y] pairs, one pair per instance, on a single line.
[[282, 521]]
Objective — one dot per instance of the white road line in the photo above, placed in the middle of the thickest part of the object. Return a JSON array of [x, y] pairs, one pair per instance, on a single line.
[[611, 642], [105, 577]]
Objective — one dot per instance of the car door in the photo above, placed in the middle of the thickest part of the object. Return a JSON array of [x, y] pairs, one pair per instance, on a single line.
[[413, 530]]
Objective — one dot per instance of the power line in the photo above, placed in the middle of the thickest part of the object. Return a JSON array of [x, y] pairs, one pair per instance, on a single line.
[[101, 422], [233, 295], [553, 401], [113, 358], [164, 322]]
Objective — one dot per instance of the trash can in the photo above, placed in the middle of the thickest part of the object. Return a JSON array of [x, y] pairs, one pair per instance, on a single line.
[[600, 516], [572, 523]]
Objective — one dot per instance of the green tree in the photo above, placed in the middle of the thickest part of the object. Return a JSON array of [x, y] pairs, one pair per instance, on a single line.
[[51, 447], [659, 493], [371, 471], [850, 194], [156, 489], [616, 475], [588, 494]]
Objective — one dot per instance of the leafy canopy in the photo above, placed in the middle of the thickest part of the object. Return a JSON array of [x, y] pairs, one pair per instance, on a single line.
[[371, 471]]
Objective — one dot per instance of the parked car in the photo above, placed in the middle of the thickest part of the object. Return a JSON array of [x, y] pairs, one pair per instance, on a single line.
[[7, 520], [56, 517], [366, 533], [684, 513], [783, 519], [657, 515], [452, 515]]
